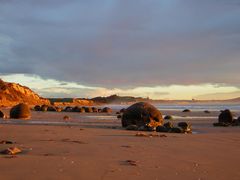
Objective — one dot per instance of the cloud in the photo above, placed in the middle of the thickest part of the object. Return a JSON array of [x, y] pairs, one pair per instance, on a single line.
[[219, 96], [122, 44], [54, 88]]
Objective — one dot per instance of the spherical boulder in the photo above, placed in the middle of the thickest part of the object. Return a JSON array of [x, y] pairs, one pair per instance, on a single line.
[[44, 108], [106, 110], [20, 111], [37, 108], [51, 108], [225, 116], [76, 109], [68, 109], [88, 109], [168, 117], [94, 109], [141, 114], [186, 110]]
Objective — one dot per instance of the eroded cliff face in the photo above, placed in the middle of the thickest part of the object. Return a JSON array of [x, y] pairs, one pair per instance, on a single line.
[[12, 94]]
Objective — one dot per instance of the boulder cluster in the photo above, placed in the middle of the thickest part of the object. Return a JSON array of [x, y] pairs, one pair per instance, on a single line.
[[84, 109], [143, 116], [226, 118]]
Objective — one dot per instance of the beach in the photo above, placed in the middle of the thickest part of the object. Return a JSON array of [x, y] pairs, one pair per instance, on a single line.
[[94, 146]]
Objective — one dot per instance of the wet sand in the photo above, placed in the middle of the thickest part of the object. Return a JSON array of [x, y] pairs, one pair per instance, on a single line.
[[93, 146]]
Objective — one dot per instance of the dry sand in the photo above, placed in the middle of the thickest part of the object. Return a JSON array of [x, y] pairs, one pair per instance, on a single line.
[[93, 146]]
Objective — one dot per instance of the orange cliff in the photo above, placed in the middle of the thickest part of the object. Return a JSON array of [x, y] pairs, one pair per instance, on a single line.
[[12, 94]]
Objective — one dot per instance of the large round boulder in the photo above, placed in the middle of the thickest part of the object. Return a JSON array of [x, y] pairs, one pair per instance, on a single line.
[[225, 116], [20, 111], [141, 114]]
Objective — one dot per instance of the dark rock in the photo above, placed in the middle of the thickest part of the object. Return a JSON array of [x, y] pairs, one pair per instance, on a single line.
[[119, 116], [146, 128], [207, 112], [219, 124], [88, 109], [132, 128], [107, 110], [44, 108], [2, 114], [176, 130], [118, 113], [99, 110], [168, 117], [37, 108], [235, 122], [141, 114], [186, 127], [76, 109], [94, 109], [186, 110], [51, 108], [162, 129], [225, 117], [168, 125], [20, 111], [68, 109]]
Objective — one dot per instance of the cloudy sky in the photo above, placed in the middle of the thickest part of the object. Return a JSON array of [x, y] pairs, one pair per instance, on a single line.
[[165, 49]]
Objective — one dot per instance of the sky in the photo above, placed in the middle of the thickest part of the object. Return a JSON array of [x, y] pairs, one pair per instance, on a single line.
[[162, 49]]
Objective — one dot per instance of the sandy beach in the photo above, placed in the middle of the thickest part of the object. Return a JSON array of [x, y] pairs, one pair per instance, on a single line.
[[94, 146]]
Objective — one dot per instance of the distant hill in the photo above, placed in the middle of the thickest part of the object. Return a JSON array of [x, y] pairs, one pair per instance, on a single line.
[[12, 93], [234, 100], [115, 99]]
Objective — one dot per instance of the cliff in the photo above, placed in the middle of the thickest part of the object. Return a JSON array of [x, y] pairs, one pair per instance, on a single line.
[[12, 94]]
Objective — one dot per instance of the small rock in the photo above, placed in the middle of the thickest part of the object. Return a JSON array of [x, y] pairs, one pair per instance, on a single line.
[[11, 151], [107, 110], [66, 118], [131, 162], [176, 130], [186, 110], [186, 127], [168, 117], [6, 142]]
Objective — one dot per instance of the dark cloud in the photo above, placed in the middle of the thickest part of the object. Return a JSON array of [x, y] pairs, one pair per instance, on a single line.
[[122, 43]]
